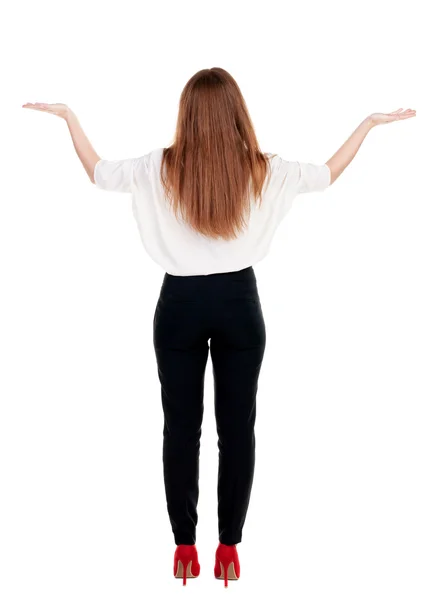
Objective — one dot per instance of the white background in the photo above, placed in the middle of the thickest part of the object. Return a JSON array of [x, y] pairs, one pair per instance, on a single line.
[[343, 494]]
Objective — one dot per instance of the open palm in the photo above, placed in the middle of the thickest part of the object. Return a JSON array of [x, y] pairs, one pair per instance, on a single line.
[[397, 115], [60, 110]]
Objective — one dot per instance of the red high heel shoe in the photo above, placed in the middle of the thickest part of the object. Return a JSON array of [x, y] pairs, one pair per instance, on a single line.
[[227, 563], [186, 562]]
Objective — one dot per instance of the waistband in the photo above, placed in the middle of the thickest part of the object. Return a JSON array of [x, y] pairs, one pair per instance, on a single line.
[[244, 274], [215, 285]]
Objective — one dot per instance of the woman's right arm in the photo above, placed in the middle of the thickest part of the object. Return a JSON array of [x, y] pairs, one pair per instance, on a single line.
[[347, 151]]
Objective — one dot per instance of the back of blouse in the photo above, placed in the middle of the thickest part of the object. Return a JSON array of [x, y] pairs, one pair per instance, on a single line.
[[175, 246]]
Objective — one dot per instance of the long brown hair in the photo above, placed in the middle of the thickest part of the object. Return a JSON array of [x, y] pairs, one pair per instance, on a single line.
[[214, 166]]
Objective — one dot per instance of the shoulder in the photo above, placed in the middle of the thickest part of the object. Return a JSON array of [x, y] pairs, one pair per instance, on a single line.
[[299, 175], [153, 155], [278, 163], [283, 169], [149, 162]]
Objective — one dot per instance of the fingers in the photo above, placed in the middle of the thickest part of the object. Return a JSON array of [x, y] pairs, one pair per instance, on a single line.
[[400, 114], [58, 109], [407, 114], [36, 106], [397, 115], [47, 108]]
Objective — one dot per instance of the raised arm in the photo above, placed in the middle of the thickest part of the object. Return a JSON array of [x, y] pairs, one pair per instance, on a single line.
[[347, 151], [82, 145]]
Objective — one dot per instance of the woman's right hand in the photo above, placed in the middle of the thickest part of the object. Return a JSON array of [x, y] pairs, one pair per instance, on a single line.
[[397, 115]]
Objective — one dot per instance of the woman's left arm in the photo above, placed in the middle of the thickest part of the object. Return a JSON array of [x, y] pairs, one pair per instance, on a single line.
[[82, 145]]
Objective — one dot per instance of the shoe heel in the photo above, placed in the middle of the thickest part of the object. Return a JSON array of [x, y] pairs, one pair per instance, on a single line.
[[228, 571], [227, 564], [186, 563], [226, 567], [182, 570]]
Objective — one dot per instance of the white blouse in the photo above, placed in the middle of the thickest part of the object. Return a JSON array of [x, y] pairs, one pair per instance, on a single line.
[[174, 245]]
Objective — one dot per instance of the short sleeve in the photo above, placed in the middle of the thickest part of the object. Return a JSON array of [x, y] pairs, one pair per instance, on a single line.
[[115, 175], [312, 177]]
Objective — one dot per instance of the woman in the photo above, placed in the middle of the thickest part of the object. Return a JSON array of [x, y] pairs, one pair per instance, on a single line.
[[207, 208]]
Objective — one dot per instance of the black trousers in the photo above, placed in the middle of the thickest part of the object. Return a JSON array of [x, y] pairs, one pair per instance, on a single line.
[[225, 309]]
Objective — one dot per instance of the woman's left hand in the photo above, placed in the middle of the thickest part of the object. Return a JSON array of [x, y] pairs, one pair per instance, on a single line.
[[60, 110]]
